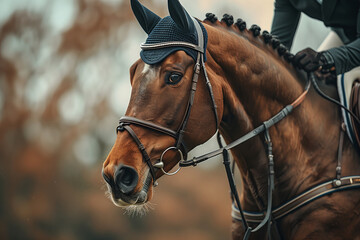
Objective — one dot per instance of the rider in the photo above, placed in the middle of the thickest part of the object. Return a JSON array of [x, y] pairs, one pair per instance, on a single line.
[[339, 54], [343, 16]]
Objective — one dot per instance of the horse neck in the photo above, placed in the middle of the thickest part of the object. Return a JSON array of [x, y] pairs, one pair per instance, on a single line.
[[257, 84]]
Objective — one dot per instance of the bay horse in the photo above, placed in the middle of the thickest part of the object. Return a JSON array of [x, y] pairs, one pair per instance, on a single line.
[[242, 78]]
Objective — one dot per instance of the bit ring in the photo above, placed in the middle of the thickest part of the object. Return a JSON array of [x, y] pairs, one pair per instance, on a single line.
[[161, 163]]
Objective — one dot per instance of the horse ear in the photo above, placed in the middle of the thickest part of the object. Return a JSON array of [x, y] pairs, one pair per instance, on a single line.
[[180, 16], [145, 17]]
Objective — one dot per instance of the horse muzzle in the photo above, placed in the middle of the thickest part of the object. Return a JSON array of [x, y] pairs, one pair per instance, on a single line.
[[123, 184]]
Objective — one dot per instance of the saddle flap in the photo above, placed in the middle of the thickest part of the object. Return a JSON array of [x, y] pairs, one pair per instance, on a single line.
[[355, 108]]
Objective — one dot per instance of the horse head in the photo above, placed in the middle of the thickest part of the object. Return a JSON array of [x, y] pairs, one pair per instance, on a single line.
[[158, 129]]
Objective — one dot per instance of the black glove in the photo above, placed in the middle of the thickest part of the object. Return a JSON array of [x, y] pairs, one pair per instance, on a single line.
[[307, 60], [310, 60]]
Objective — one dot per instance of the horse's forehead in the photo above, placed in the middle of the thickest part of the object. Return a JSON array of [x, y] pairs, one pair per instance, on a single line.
[[148, 70], [147, 75]]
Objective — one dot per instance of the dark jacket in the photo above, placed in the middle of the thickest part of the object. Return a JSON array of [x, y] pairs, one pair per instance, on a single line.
[[343, 16]]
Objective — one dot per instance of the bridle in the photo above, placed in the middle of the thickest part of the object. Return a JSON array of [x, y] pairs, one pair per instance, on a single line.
[[340, 183], [178, 135], [126, 121]]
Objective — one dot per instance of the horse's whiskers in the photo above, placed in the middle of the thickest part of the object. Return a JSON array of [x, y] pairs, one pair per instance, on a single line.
[[139, 210], [108, 193]]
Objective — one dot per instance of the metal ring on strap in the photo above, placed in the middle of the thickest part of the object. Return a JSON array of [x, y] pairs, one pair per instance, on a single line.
[[160, 164]]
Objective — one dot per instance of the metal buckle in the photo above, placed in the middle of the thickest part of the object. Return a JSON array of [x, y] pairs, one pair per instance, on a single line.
[[337, 183], [120, 127], [161, 164]]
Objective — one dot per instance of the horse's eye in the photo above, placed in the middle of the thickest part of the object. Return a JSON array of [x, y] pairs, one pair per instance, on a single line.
[[173, 78]]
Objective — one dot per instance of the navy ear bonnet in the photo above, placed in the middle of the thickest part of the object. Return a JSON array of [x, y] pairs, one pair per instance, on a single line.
[[167, 31]]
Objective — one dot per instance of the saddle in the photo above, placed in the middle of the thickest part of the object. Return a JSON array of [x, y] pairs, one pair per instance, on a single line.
[[354, 106], [348, 86]]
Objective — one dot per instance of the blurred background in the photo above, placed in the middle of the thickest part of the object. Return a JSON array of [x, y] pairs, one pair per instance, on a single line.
[[64, 83]]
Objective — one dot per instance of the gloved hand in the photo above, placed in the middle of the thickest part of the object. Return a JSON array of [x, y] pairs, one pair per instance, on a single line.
[[310, 60], [307, 60]]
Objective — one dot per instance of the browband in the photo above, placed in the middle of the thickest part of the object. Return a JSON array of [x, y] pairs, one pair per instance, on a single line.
[[152, 46]]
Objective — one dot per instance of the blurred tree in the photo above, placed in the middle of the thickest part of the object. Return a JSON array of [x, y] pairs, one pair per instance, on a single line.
[[63, 85]]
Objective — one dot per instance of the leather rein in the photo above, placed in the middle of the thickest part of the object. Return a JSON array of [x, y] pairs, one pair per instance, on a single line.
[[270, 215], [263, 218], [264, 127]]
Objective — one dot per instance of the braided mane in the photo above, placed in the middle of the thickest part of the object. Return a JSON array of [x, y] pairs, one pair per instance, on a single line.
[[240, 27]]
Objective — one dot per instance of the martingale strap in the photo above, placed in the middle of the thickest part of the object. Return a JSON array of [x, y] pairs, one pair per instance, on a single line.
[[301, 200]]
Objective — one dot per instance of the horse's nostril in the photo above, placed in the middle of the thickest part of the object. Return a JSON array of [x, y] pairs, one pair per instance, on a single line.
[[106, 178], [126, 178]]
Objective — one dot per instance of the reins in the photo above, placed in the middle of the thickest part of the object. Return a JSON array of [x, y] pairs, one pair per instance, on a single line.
[[125, 122], [264, 127], [323, 95], [337, 184], [238, 213], [334, 185]]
